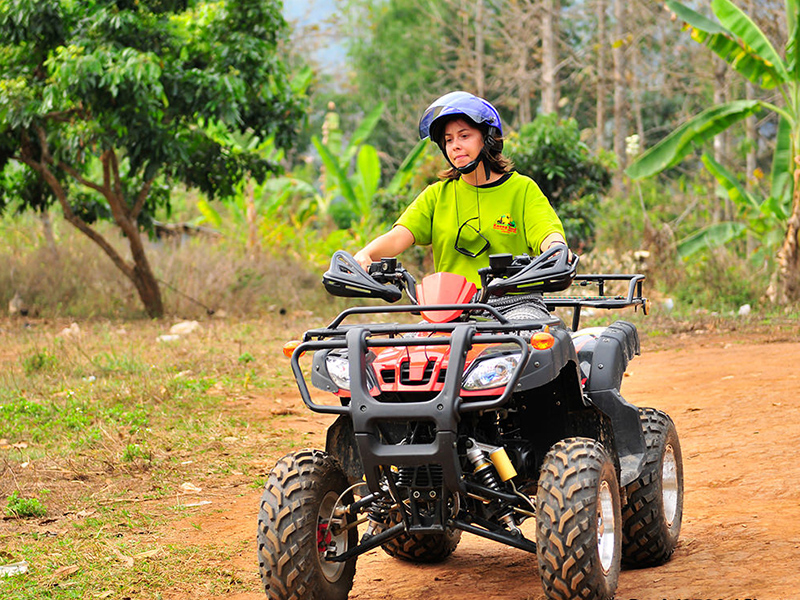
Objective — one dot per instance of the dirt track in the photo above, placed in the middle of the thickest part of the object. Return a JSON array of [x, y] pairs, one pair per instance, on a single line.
[[738, 416]]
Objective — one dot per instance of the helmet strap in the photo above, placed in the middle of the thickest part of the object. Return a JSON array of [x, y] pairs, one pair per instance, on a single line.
[[472, 165]]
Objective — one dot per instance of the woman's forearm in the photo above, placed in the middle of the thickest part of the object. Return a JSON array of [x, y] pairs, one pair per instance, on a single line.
[[389, 244]]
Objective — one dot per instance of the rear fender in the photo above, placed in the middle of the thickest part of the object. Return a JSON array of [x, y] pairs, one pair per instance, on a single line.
[[613, 348]]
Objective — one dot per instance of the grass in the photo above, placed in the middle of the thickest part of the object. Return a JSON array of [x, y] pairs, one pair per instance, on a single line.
[[113, 423]]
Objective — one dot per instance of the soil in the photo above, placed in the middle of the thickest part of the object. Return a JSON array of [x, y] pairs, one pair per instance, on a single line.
[[734, 401]]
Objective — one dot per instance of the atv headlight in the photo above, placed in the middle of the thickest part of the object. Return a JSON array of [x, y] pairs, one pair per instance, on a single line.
[[491, 372], [339, 369]]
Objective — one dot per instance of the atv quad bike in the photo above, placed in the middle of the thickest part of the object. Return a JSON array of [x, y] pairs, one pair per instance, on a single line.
[[478, 418]]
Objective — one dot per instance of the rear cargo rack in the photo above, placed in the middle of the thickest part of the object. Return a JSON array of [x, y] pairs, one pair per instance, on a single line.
[[632, 297]]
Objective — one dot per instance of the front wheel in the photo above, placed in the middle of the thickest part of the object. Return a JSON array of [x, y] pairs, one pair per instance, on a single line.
[[653, 510], [296, 526], [578, 523]]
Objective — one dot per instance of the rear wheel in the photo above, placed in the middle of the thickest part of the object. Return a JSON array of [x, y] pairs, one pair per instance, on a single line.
[[653, 510], [578, 524], [296, 526]]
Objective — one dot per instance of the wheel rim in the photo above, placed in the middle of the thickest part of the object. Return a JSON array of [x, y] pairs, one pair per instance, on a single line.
[[606, 527], [331, 570], [669, 485]]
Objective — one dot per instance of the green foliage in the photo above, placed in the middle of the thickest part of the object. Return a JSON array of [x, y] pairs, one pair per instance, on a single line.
[[139, 79], [24, 508], [246, 358], [115, 100], [759, 218], [717, 281], [681, 143], [397, 51], [747, 50], [134, 452], [550, 151], [339, 209]]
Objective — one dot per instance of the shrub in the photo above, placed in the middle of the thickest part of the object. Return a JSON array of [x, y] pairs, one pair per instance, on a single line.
[[550, 151]]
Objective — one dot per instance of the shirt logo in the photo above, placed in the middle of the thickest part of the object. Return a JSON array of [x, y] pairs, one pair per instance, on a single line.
[[505, 224]]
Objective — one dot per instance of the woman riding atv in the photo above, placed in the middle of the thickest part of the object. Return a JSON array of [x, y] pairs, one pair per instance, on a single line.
[[480, 207]]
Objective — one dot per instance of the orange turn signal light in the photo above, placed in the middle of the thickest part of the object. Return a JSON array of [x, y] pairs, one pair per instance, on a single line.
[[542, 340], [289, 347]]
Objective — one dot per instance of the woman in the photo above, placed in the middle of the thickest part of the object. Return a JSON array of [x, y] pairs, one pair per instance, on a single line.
[[480, 207]]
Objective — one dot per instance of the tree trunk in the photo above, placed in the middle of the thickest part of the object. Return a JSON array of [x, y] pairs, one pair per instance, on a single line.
[[126, 218], [143, 278], [549, 56], [600, 126], [619, 92], [480, 80], [785, 288]]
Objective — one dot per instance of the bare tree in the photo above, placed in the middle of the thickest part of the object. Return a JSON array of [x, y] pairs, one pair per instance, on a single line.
[[602, 43], [617, 52], [550, 56]]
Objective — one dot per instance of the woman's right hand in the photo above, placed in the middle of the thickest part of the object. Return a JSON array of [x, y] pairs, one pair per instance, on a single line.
[[391, 243], [363, 258]]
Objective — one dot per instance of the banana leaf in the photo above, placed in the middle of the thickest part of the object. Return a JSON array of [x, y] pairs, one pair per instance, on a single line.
[[793, 42], [712, 236], [368, 176], [782, 164], [361, 133], [738, 195], [703, 127], [336, 170], [741, 44], [406, 170]]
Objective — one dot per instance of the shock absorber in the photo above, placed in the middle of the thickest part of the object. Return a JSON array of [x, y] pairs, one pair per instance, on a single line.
[[378, 515], [485, 470]]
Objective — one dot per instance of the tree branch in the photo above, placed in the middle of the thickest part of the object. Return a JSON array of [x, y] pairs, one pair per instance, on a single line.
[[141, 198], [117, 178], [80, 179], [106, 171], [74, 219]]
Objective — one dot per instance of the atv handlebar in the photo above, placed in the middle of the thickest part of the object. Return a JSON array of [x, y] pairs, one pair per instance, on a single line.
[[554, 270]]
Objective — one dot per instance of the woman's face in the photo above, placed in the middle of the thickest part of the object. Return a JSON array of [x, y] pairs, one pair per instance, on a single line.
[[463, 142]]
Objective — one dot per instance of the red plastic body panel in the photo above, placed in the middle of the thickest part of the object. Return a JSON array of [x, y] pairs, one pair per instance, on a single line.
[[419, 369], [444, 288]]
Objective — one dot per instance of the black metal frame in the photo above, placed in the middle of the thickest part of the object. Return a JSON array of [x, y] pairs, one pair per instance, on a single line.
[[632, 297]]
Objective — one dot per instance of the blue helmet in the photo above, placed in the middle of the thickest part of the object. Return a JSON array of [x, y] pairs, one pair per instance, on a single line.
[[476, 109]]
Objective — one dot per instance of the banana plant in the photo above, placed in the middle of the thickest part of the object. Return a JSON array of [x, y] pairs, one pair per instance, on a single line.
[[358, 183], [736, 39]]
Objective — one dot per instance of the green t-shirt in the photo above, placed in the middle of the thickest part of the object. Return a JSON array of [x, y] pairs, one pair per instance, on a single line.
[[514, 215]]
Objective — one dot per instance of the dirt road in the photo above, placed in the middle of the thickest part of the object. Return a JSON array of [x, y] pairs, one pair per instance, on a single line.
[[736, 407]]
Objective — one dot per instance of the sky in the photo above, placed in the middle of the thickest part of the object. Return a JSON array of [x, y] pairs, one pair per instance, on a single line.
[[310, 13]]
